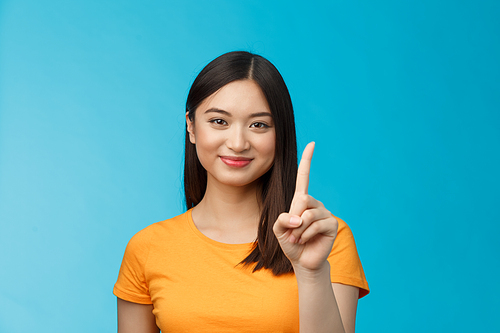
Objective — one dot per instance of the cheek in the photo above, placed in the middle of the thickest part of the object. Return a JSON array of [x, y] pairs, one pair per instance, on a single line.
[[207, 144], [267, 146]]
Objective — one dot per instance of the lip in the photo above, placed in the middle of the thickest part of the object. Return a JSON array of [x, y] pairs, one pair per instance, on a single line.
[[236, 161]]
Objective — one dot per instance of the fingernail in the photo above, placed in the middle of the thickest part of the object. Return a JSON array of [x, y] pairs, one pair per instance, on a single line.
[[295, 221], [292, 239]]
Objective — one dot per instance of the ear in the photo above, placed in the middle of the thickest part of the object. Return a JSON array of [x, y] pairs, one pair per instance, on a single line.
[[190, 129]]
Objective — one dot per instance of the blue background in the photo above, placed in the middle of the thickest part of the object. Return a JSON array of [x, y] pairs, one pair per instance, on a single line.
[[401, 97]]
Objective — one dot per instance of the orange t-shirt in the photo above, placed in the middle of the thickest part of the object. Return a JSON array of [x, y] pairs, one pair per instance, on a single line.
[[196, 285]]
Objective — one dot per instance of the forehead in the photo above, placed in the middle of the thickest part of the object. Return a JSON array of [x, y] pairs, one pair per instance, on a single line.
[[238, 97]]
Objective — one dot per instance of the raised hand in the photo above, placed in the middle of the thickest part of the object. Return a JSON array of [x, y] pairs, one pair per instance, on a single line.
[[307, 232]]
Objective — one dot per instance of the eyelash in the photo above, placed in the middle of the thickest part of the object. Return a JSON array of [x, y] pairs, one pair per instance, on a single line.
[[261, 125], [218, 122], [222, 122]]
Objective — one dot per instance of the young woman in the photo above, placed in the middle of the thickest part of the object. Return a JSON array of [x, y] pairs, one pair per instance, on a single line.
[[254, 252]]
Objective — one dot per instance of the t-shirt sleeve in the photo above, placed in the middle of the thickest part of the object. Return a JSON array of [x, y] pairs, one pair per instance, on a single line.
[[132, 284], [345, 265]]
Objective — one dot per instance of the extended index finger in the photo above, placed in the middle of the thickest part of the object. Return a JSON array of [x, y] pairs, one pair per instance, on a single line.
[[302, 183]]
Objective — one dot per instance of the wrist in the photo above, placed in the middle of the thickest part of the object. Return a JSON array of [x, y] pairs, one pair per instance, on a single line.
[[309, 275]]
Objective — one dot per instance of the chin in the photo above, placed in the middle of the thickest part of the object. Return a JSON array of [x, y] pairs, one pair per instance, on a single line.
[[240, 183], [236, 181]]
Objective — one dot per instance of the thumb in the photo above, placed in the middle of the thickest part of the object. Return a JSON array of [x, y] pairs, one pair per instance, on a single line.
[[286, 222]]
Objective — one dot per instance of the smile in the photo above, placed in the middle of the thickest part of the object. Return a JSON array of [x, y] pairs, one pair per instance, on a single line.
[[236, 162]]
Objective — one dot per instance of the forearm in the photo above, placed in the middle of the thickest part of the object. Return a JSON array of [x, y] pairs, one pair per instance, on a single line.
[[318, 310]]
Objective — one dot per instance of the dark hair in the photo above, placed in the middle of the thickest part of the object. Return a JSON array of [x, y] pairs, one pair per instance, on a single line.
[[278, 184]]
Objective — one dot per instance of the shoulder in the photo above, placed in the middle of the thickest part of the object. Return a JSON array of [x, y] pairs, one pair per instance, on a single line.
[[344, 233], [143, 239], [342, 225], [344, 245]]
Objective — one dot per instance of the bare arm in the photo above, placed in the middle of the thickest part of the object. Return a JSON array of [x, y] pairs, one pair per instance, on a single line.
[[347, 300], [325, 306], [136, 318]]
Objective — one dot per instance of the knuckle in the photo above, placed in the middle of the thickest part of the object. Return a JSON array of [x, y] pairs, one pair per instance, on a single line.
[[314, 227], [309, 233], [282, 218], [304, 198], [276, 224], [308, 216], [278, 220]]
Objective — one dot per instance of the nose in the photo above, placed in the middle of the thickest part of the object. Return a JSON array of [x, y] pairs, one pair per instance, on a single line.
[[237, 140]]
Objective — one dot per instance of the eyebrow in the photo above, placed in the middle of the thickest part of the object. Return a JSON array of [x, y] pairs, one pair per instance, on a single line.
[[257, 114]]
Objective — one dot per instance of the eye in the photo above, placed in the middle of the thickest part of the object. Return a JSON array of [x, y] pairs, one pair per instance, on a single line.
[[259, 125], [220, 122]]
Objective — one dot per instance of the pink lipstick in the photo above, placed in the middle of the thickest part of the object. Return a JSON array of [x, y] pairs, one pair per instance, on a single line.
[[236, 162]]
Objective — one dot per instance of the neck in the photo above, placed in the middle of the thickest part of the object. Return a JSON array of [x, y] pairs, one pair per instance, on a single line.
[[230, 210]]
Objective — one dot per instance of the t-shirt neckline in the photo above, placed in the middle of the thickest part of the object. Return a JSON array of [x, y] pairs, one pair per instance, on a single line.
[[203, 237]]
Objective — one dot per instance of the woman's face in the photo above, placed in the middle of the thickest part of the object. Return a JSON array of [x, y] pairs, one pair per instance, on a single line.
[[234, 134]]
